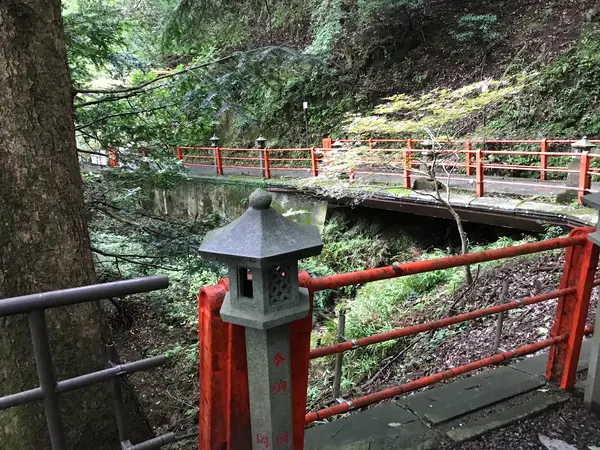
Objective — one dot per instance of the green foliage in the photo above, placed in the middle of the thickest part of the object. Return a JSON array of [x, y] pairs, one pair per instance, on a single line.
[[94, 30], [385, 305], [552, 231], [477, 27], [440, 109], [557, 104], [326, 24]]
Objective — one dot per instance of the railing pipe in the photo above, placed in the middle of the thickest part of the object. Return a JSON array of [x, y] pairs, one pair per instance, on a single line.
[[314, 162], [72, 296], [70, 384], [156, 442], [543, 159], [219, 161], [267, 165], [408, 163], [431, 379], [436, 324], [398, 270], [584, 179], [468, 150], [110, 373], [479, 173], [122, 428], [43, 361]]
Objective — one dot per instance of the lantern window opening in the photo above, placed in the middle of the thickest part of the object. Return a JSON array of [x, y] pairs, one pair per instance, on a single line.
[[245, 282]]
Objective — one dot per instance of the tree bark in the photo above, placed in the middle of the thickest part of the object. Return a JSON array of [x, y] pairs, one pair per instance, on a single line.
[[44, 243]]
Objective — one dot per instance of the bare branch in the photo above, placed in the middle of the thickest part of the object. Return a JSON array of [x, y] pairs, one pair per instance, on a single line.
[[128, 113], [129, 260], [88, 152], [116, 98], [157, 79]]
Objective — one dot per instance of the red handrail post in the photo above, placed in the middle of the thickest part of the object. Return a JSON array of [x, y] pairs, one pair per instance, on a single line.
[[571, 311], [112, 158], [543, 159], [314, 161], [407, 163], [267, 167], [219, 161], [468, 149], [300, 332], [179, 154], [370, 152], [224, 418], [584, 179], [479, 173], [326, 145]]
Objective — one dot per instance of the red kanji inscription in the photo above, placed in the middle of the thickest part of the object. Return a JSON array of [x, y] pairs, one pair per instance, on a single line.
[[279, 386], [262, 439], [279, 359], [283, 439]]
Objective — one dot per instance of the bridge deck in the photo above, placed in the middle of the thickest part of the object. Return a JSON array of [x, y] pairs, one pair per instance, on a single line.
[[493, 184], [449, 414]]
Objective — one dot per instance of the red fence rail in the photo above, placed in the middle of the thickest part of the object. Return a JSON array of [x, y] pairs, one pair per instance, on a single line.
[[477, 161], [223, 364]]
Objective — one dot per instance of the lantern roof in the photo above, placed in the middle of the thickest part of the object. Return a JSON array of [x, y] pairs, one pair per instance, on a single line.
[[583, 144], [261, 237]]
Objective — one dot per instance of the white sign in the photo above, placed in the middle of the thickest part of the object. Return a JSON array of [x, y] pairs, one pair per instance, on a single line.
[[305, 105]]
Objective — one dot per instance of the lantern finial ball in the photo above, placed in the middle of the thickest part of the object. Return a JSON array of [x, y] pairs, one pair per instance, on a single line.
[[260, 199]]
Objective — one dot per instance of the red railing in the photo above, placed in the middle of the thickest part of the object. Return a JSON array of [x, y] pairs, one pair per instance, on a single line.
[[473, 161], [224, 411]]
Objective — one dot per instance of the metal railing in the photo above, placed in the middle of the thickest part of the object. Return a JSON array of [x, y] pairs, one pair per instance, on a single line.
[[222, 345], [49, 389], [476, 161]]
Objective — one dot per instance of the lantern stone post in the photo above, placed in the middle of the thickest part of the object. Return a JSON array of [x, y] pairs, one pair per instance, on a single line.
[[261, 250]]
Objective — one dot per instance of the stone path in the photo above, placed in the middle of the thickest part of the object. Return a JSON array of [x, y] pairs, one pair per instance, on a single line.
[[459, 410]]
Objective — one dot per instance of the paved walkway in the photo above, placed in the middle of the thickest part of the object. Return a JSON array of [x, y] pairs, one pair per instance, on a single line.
[[492, 184], [456, 411]]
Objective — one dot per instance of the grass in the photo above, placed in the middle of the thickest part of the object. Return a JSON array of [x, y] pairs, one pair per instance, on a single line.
[[394, 303]]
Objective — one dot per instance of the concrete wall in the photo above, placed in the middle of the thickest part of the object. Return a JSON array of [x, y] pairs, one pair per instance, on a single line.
[[197, 197]]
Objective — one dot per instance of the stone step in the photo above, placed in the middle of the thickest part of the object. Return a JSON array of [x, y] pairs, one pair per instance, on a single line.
[[470, 394], [507, 417], [384, 427]]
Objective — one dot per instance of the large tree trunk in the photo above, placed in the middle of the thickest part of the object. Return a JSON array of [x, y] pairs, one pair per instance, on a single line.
[[44, 243]]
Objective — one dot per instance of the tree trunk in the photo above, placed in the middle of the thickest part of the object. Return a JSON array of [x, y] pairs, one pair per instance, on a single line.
[[44, 243]]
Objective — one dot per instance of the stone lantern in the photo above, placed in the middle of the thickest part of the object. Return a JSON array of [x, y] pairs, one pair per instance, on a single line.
[[338, 145], [261, 250], [214, 141], [427, 155], [260, 142], [583, 144]]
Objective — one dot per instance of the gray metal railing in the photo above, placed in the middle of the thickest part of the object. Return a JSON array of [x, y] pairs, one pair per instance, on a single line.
[[48, 392]]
